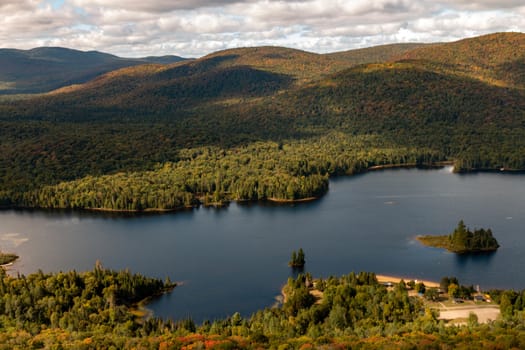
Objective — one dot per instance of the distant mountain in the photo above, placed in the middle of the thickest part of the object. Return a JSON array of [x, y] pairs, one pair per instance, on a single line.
[[245, 73], [162, 89], [248, 71], [276, 72], [47, 68], [168, 59], [232, 73]]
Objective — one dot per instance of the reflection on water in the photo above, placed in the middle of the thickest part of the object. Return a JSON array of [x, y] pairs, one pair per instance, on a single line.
[[235, 258], [480, 260], [296, 271], [12, 240]]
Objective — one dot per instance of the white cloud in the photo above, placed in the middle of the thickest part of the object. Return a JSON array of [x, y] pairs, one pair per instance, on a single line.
[[17, 5], [196, 27], [484, 4], [152, 6]]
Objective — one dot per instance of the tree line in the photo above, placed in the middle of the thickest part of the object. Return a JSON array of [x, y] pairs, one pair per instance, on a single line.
[[94, 309], [213, 176]]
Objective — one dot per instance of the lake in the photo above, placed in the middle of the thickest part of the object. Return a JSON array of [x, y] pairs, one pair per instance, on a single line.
[[235, 258]]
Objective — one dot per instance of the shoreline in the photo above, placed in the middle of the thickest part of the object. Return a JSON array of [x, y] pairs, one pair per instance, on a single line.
[[301, 200], [381, 278], [442, 242], [434, 165], [411, 165], [147, 210], [395, 279], [140, 309]]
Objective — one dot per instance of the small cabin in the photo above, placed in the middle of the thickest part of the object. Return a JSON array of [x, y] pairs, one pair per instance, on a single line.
[[479, 298]]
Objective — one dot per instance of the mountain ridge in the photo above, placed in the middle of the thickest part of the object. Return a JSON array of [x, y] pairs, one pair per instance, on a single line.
[[44, 69], [497, 58]]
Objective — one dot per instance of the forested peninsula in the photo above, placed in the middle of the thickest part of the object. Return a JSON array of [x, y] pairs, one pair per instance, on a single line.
[[263, 123]]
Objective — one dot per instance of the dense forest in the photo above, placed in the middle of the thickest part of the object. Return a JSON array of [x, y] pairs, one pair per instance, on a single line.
[[212, 175], [263, 123], [100, 301], [96, 309]]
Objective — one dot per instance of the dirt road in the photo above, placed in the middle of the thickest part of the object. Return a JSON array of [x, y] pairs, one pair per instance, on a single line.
[[484, 312]]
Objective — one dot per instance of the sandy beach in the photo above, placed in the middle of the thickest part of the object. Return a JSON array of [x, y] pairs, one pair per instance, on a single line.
[[393, 279]]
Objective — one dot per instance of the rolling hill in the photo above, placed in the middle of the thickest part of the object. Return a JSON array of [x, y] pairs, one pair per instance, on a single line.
[[255, 123], [282, 64], [47, 68], [498, 59], [376, 54]]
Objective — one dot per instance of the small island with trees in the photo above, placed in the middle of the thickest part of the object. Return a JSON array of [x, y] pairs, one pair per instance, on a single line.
[[297, 260], [463, 241]]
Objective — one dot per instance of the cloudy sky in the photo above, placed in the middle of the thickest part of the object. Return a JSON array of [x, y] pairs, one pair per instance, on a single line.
[[193, 28]]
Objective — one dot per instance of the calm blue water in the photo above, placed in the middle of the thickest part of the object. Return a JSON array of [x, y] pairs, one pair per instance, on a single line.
[[235, 259]]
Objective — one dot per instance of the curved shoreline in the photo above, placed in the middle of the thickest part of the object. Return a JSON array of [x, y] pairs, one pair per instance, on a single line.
[[435, 165], [140, 308], [300, 200], [411, 165]]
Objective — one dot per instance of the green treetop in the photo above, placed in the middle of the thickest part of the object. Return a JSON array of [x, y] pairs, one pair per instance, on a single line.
[[464, 240], [297, 259]]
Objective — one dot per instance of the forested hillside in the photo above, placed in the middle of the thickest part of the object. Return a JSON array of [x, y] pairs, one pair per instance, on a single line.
[[263, 123], [376, 54], [496, 59]]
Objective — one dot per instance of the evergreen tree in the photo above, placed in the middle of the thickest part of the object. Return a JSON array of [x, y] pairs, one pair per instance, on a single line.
[[300, 257], [460, 237], [297, 259], [463, 240], [293, 260]]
